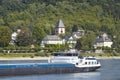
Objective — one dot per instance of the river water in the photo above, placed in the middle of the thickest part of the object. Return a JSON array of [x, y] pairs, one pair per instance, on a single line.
[[110, 70]]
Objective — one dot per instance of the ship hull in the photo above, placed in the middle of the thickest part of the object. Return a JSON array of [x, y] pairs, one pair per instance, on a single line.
[[45, 70]]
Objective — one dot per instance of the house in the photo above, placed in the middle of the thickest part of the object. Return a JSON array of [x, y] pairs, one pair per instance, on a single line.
[[60, 28], [78, 34], [70, 40], [52, 39], [13, 38], [103, 41]]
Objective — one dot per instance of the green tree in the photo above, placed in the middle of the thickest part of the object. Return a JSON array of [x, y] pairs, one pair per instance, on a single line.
[[5, 36], [78, 45], [74, 28], [39, 34], [24, 38], [88, 40]]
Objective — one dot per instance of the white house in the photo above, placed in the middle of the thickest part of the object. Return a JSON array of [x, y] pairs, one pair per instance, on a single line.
[[52, 39], [71, 40], [13, 38], [78, 34], [103, 41]]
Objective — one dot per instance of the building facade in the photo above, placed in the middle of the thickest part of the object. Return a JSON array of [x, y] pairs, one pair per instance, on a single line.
[[52, 39], [103, 41], [13, 38], [78, 34]]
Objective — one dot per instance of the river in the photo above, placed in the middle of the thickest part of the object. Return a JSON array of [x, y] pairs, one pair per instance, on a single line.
[[110, 70]]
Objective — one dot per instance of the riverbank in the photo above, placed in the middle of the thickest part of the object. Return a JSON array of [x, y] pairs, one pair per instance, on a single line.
[[46, 58], [23, 58], [111, 57]]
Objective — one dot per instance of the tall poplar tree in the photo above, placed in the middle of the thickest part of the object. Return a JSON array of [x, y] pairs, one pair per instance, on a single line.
[[5, 36]]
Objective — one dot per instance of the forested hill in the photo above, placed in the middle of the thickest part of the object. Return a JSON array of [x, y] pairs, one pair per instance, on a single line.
[[42, 15]]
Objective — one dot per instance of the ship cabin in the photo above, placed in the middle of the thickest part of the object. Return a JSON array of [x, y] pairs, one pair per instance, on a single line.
[[64, 57]]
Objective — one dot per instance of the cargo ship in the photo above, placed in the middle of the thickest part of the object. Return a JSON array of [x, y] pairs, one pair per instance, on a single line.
[[60, 62]]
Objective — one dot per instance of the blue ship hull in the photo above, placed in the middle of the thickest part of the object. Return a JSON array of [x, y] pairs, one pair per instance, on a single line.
[[44, 68]]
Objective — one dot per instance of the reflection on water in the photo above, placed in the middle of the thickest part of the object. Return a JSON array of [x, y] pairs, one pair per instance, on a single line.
[[86, 76], [71, 76]]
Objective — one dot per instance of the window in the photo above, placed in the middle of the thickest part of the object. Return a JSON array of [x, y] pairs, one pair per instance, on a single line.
[[61, 31], [92, 62], [95, 62], [76, 63]]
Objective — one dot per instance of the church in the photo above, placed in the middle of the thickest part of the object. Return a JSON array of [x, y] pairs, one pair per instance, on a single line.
[[55, 39]]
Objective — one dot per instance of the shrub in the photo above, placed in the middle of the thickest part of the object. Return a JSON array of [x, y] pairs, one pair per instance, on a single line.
[[32, 56]]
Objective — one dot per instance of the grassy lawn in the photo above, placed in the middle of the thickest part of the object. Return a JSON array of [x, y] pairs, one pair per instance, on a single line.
[[17, 54]]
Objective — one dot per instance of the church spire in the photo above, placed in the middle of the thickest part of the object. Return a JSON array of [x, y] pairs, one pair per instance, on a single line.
[[60, 28], [60, 24]]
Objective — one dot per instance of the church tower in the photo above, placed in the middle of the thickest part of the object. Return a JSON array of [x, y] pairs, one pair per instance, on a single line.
[[60, 28]]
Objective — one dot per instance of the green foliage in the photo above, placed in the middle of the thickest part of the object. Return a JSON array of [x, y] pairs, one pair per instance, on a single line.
[[16, 55], [74, 28], [78, 45], [39, 33], [88, 40], [53, 48], [24, 38], [42, 54], [5, 36], [42, 15]]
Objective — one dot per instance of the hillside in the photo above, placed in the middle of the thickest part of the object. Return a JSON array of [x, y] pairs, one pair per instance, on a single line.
[[41, 16]]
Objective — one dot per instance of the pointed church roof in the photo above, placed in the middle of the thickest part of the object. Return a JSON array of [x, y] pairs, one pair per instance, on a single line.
[[60, 24]]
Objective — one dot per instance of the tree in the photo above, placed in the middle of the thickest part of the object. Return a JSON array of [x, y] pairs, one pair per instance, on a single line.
[[78, 45], [74, 28], [5, 36], [104, 29], [24, 38], [88, 40], [39, 34]]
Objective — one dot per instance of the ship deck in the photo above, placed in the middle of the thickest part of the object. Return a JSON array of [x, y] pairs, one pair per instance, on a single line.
[[35, 65]]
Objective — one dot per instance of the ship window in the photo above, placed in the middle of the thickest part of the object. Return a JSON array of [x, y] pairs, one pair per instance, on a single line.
[[95, 62], [80, 61], [92, 62], [69, 54], [85, 62], [76, 63]]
